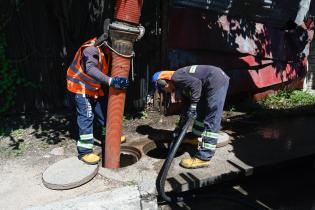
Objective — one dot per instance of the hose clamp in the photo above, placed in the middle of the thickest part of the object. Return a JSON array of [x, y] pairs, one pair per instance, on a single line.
[[124, 35]]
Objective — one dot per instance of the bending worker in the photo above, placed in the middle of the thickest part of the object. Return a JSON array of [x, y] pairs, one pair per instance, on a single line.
[[205, 89], [85, 78]]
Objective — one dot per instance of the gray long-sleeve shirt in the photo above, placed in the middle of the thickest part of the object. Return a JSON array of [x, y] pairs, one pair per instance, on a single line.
[[193, 79], [89, 63]]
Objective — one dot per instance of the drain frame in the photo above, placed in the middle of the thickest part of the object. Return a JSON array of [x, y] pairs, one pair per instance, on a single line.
[[131, 151]]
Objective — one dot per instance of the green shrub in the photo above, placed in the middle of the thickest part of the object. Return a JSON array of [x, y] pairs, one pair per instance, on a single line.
[[289, 100], [9, 80]]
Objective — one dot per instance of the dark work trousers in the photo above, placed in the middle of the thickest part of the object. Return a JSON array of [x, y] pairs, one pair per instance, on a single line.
[[208, 122], [89, 110]]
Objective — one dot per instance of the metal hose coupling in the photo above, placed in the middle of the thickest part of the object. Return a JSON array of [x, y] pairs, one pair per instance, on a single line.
[[124, 35]]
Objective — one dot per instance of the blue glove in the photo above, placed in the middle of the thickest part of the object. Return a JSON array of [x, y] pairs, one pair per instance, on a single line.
[[192, 111], [119, 83]]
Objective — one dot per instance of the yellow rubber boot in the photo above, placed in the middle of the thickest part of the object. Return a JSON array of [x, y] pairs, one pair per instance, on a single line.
[[192, 141], [98, 150], [90, 159], [192, 163], [123, 139]]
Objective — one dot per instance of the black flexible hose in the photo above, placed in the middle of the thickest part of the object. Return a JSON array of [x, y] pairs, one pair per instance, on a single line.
[[160, 182]]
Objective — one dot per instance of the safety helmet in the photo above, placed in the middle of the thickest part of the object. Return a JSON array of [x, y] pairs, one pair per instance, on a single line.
[[160, 79]]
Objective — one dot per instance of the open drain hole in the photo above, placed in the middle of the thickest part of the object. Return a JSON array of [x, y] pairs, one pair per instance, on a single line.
[[129, 156], [159, 150]]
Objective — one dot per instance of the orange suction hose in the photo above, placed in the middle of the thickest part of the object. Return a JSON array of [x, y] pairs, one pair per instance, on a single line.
[[126, 11]]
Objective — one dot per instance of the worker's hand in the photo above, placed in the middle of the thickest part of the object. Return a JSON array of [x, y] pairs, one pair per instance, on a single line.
[[119, 83], [192, 111]]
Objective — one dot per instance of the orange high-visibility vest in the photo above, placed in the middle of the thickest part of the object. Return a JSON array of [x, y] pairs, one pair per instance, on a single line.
[[80, 82]]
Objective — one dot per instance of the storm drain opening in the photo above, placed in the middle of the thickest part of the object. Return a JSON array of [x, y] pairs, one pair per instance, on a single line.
[[129, 156], [159, 150]]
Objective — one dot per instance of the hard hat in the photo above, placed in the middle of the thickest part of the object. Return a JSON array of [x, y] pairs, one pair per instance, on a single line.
[[158, 83], [160, 79]]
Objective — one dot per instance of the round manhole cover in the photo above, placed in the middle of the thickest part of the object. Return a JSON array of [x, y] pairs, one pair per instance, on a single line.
[[68, 173]]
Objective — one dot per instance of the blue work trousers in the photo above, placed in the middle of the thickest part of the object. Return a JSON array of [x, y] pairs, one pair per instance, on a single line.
[[208, 122], [89, 110]]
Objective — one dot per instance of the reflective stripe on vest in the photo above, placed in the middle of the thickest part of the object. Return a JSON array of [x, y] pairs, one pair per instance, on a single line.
[[82, 84], [77, 72]]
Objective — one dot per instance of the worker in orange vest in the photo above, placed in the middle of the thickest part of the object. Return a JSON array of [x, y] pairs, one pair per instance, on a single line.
[[85, 78], [204, 88]]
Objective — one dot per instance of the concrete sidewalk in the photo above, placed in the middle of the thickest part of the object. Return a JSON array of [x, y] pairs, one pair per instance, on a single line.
[[127, 198], [253, 145]]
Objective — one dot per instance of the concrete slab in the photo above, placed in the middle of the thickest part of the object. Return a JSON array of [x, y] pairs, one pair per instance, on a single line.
[[223, 140], [142, 174], [68, 173], [253, 146]]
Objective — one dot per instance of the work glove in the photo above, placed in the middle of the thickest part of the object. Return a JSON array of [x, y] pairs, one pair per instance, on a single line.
[[119, 83], [192, 111]]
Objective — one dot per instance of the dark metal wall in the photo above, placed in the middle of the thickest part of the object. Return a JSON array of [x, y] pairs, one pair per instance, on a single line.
[[310, 78], [275, 13], [148, 56]]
